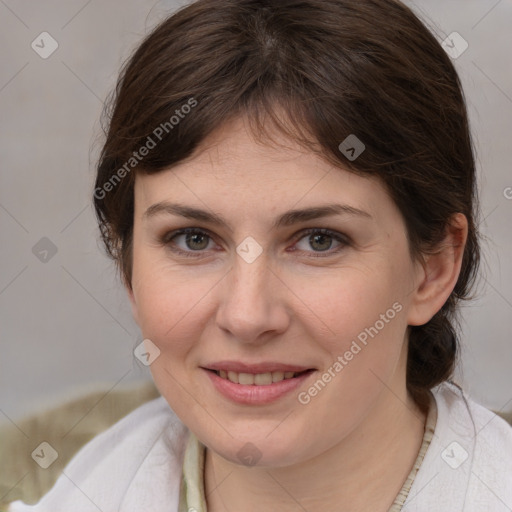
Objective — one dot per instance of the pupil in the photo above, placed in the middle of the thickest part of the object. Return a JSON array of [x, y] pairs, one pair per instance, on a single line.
[[193, 237], [321, 237]]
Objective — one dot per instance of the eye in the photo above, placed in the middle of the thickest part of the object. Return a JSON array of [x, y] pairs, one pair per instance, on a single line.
[[194, 241], [321, 240]]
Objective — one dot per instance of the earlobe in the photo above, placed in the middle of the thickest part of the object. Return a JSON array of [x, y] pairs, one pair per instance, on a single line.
[[439, 273]]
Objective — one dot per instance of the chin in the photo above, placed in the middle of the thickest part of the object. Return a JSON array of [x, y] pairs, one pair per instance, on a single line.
[[257, 452]]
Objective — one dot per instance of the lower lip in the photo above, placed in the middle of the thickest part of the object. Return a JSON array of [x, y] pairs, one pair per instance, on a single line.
[[256, 395]]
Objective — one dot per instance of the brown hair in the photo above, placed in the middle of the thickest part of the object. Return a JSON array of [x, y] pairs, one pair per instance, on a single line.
[[335, 67]]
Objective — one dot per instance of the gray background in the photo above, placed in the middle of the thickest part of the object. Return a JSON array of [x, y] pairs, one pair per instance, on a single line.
[[66, 325]]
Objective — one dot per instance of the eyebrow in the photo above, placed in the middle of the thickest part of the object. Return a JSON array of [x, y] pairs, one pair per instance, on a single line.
[[288, 218]]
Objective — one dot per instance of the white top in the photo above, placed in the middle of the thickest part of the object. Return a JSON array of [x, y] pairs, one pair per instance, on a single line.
[[136, 465]]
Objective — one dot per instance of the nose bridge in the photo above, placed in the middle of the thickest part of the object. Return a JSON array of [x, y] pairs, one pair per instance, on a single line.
[[250, 273], [250, 304], [249, 286]]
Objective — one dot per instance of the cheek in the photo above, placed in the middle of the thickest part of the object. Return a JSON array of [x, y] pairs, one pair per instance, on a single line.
[[362, 316], [353, 303], [171, 305]]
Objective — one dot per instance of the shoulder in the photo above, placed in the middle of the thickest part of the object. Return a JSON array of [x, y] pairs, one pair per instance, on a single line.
[[112, 470], [468, 465], [489, 445], [467, 418]]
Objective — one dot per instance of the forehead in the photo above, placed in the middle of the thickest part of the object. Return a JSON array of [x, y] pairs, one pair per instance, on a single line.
[[231, 170]]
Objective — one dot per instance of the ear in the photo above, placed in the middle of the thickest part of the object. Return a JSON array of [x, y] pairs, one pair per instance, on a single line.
[[438, 274]]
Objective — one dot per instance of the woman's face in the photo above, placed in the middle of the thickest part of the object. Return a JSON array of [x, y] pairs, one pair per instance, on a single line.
[[265, 292]]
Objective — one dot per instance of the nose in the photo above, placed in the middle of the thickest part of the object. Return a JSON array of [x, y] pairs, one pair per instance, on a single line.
[[252, 306]]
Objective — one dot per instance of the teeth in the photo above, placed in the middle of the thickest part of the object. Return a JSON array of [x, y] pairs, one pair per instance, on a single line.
[[262, 379], [258, 379], [277, 376], [245, 378]]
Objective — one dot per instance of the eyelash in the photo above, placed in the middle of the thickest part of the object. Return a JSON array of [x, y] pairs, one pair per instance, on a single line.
[[169, 237]]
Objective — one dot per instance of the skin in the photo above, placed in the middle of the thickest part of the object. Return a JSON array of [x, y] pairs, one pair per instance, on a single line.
[[336, 452]]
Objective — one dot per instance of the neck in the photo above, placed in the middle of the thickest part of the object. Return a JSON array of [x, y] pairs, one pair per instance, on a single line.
[[364, 471]]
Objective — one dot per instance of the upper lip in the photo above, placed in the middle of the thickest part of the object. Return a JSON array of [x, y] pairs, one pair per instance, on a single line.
[[267, 367]]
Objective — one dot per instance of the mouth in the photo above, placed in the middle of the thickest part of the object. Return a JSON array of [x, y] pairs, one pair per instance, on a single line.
[[258, 379], [254, 385]]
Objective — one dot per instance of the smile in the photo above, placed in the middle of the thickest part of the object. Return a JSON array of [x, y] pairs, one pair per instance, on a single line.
[[252, 385], [258, 379]]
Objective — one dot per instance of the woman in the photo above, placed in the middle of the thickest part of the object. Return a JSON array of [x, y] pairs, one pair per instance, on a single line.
[[288, 189]]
